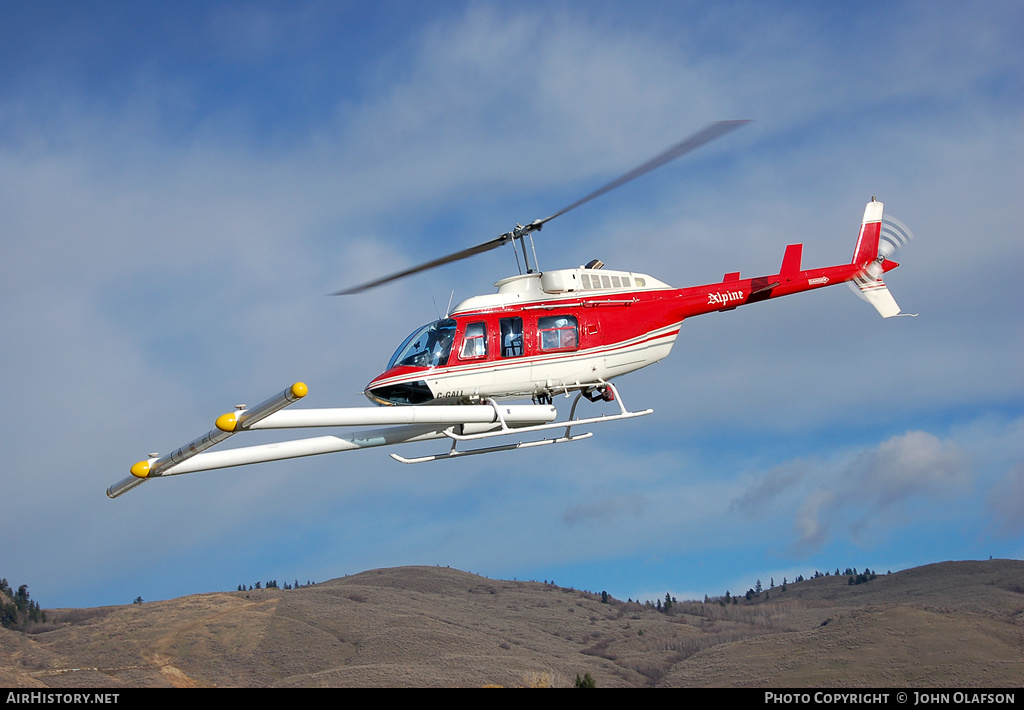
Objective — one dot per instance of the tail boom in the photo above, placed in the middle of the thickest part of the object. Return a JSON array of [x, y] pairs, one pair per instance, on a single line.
[[863, 274]]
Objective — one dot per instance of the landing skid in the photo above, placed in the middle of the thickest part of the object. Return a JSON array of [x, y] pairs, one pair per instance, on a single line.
[[608, 393], [454, 453]]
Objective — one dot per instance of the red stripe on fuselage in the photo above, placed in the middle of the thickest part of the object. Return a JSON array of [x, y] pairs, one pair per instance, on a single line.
[[611, 322]]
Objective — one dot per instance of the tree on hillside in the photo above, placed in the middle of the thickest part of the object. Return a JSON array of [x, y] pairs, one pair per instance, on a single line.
[[587, 681], [21, 610], [8, 615]]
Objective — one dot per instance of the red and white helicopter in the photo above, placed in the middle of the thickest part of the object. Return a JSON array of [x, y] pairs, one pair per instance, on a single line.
[[544, 333]]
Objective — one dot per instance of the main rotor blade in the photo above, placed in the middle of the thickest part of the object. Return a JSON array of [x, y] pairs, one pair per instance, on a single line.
[[715, 130], [464, 254]]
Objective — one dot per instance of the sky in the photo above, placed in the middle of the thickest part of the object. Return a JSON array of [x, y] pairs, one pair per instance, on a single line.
[[181, 186]]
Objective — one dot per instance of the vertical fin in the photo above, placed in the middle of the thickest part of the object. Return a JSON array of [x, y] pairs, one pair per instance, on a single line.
[[867, 241], [791, 260]]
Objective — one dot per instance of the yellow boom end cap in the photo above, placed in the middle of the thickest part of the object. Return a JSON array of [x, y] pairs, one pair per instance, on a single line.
[[299, 390], [140, 469], [227, 422]]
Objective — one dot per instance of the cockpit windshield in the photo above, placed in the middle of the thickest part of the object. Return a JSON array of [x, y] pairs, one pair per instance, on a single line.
[[428, 346]]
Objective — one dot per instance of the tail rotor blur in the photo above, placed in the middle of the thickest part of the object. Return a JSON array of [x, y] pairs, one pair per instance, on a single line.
[[895, 235]]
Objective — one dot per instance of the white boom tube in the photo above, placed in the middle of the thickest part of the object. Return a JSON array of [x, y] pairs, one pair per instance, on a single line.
[[383, 416], [298, 448], [416, 423]]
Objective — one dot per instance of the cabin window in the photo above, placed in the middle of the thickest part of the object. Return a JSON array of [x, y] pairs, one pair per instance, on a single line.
[[511, 336], [429, 346], [585, 280], [558, 332], [474, 342], [625, 281]]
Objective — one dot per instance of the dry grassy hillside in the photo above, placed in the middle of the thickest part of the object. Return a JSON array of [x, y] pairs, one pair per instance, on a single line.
[[950, 624]]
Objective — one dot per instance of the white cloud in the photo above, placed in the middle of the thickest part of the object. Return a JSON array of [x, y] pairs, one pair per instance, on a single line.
[[851, 492], [811, 530], [915, 463], [761, 496]]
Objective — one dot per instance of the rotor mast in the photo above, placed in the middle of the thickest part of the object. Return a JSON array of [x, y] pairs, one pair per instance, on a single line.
[[520, 234]]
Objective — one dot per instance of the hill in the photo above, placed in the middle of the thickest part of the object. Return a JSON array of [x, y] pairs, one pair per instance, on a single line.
[[949, 624]]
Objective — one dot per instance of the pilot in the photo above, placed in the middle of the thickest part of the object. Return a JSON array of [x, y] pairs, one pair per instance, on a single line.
[[569, 339], [440, 348], [567, 333]]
